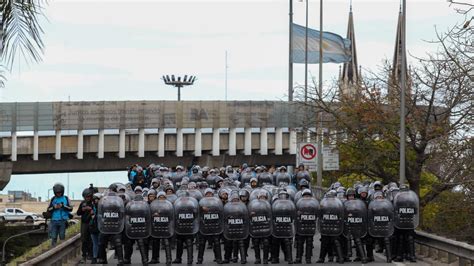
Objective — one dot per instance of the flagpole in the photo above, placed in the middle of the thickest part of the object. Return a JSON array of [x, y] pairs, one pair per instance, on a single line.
[[290, 57], [306, 55], [319, 173], [402, 98]]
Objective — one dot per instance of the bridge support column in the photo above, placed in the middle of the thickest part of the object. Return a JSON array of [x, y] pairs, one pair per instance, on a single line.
[[215, 142], [5, 173], [100, 148], [57, 155], [248, 141], [197, 142], [13, 157], [278, 141], [80, 144], [263, 141], [179, 142], [35, 145], [121, 143], [141, 143], [292, 143], [161, 142], [232, 141]]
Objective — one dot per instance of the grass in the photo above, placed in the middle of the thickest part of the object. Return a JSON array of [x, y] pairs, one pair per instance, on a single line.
[[45, 246]]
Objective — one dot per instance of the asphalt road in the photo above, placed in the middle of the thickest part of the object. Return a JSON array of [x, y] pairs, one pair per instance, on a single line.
[[209, 257]]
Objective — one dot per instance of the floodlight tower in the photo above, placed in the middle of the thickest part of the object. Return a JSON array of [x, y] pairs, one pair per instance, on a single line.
[[178, 83]]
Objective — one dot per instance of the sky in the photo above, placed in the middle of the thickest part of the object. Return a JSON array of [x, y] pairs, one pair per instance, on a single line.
[[118, 50]]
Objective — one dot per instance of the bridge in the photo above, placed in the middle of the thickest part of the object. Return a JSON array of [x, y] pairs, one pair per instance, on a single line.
[[45, 137]]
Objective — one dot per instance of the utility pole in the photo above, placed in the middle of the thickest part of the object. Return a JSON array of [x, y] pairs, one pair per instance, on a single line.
[[290, 61], [319, 173], [402, 97]]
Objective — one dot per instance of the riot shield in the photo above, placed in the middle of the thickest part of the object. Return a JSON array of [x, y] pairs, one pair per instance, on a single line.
[[265, 178], [260, 215], [254, 194], [380, 213], [406, 205], [162, 218], [355, 218], [186, 211], [331, 217], [284, 213], [111, 213], [211, 211], [303, 175], [177, 180], [283, 178], [306, 216], [236, 221], [171, 198], [137, 219], [245, 179], [194, 193]]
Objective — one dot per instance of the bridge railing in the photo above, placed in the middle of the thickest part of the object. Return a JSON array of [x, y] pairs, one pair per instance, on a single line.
[[62, 254], [444, 250]]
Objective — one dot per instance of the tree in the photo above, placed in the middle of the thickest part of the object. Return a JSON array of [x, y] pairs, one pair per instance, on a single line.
[[22, 33], [439, 118]]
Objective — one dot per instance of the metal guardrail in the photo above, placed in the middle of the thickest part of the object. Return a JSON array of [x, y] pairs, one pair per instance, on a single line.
[[444, 250], [59, 255]]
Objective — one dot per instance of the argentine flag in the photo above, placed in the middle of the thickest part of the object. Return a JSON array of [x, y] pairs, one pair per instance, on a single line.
[[335, 48]]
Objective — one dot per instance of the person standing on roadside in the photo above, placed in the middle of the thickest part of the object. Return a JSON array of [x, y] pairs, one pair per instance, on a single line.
[[60, 209]]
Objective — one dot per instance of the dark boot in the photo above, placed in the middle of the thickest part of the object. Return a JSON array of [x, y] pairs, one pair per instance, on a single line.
[[360, 250], [216, 246], [256, 247], [179, 250], [190, 248], [369, 246], [309, 249], [289, 250], [243, 254], [155, 251], [201, 248], [227, 251], [340, 257], [388, 250], [411, 248], [143, 251], [299, 249], [167, 245], [266, 250], [118, 249]]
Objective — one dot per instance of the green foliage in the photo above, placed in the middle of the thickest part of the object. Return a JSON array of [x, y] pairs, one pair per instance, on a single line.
[[44, 246], [451, 214], [427, 181]]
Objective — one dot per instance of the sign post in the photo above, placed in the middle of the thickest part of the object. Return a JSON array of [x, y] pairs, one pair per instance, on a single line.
[[307, 155], [330, 159]]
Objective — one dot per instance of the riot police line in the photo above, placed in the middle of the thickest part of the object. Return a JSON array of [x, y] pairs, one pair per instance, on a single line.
[[270, 212]]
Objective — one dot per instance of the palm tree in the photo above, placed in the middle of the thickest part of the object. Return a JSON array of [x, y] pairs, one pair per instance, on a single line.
[[21, 33]]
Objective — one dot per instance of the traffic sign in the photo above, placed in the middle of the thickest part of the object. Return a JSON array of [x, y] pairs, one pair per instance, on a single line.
[[307, 154], [330, 159]]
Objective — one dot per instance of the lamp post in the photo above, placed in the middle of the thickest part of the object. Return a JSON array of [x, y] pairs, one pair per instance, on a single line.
[[178, 83]]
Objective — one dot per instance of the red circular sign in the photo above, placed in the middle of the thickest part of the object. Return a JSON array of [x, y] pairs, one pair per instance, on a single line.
[[308, 152]]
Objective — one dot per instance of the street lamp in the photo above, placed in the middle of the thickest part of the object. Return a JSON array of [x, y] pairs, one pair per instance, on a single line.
[[178, 83]]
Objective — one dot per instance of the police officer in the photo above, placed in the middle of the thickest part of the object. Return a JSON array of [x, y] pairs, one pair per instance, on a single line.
[[111, 213], [307, 212], [260, 212], [236, 228], [211, 226], [187, 225], [85, 210], [284, 213], [406, 204]]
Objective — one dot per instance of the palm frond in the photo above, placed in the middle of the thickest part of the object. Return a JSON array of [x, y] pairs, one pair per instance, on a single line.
[[22, 32]]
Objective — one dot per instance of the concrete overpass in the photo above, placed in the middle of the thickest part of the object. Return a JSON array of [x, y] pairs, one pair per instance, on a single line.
[[102, 136]]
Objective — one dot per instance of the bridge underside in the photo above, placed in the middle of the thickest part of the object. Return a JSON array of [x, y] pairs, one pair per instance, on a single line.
[[110, 162]]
